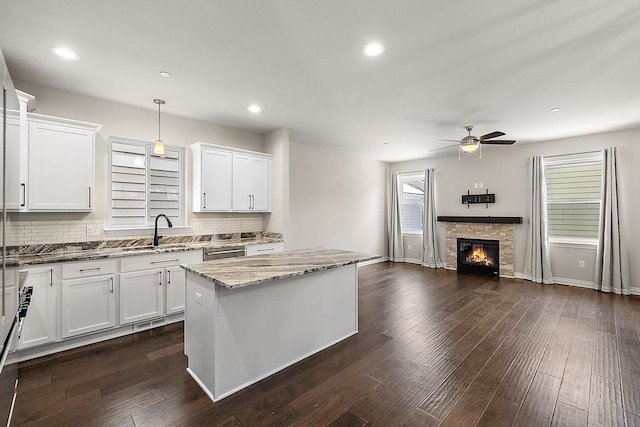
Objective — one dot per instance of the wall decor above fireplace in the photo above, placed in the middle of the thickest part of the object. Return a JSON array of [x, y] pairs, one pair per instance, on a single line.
[[486, 198]]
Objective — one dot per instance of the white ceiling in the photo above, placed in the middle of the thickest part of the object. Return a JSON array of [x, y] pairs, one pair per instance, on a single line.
[[498, 64]]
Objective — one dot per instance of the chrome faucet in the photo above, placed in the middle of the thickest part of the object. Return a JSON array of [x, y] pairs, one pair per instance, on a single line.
[[156, 238]]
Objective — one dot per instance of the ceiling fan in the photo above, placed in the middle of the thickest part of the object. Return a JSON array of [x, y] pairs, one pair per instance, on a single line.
[[471, 142]]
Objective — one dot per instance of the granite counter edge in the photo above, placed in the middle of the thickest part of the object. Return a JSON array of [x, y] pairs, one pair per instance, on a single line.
[[276, 277]]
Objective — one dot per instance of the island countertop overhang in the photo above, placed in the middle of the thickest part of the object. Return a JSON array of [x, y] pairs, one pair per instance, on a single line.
[[235, 273]]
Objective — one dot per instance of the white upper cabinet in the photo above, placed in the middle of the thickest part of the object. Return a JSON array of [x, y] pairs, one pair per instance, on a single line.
[[15, 192], [61, 165], [230, 180], [211, 179], [261, 184], [241, 182], [251, 183]]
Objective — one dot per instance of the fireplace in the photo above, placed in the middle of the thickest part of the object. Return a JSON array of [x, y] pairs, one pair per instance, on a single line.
[[479, 256]]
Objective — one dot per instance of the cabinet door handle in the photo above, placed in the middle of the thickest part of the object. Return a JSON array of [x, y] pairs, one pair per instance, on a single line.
[[204, 200], [24, 194], [51, 277], [89, 196], [266, 250], [253, 201], [82, 270], [168, 277], [166, 260], [160, 282], [112, 285]]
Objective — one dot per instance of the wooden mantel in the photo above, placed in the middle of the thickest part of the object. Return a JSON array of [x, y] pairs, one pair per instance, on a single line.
[[482, 219]]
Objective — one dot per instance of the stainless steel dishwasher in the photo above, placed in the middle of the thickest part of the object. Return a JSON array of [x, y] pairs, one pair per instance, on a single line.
[[222, 253]]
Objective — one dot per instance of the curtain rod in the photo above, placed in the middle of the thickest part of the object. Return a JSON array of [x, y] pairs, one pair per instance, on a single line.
[[411, 173], [574, 154]]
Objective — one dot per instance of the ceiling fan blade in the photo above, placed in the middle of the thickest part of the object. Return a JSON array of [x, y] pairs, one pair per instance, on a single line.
[[450, 140], [443, 148], [499, 142], [491, 135]]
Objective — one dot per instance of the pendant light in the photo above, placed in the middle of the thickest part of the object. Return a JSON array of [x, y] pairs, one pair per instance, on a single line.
[[158, 148]]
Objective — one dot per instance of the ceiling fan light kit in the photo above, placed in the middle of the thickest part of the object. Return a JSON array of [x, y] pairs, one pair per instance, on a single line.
[[471, 143]]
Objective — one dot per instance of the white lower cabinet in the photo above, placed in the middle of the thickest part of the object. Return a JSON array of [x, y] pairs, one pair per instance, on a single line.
[[88, 305], [148, 281], [39, 326], [141, 295], [176, 288]]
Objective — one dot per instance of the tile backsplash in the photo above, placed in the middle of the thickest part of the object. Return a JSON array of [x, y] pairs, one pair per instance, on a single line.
[[25, 232]]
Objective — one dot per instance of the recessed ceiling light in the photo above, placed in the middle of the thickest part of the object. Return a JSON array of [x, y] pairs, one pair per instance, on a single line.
[[373, 49], [165, 74], [553, 110], [385, 143], [64, 52], [255, 108]]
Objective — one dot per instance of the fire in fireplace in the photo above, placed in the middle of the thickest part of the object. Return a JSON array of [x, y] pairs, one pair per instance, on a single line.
[[479, 256]]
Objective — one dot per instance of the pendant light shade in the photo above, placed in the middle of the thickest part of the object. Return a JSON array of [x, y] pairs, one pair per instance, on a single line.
[[158, 148]]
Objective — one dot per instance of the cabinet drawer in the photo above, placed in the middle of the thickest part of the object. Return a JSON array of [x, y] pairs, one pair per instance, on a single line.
[[264, 248], [145, 262], [72, 270]]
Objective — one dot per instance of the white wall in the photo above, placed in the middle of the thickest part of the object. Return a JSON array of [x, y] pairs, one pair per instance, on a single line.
[[142, 124], [336, 200], [503, 170]]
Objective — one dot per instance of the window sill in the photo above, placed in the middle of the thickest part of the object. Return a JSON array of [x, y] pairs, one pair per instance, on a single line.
[[573, 243], [139, 231], [412, 233]]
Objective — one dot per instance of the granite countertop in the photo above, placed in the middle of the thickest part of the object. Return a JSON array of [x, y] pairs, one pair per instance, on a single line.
[[240, 272], [75, 252]]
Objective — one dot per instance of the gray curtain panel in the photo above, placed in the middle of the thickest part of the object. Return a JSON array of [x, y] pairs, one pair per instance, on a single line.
[[612, 262], [430, 251], [537, 263], [396, 243]]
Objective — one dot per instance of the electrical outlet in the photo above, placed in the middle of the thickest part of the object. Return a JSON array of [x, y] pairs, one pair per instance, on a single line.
[[475, 185], [409, 247], [580, 264], [197, 226], [481, 185], [198, 298], [93, 230]]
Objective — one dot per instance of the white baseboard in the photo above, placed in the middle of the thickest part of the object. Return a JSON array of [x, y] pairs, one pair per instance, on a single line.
[[574, 282], [634, 291], [412, 261], [373, 261]]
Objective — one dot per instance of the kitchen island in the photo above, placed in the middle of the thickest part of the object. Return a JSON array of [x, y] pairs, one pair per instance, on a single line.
[[247, 318]]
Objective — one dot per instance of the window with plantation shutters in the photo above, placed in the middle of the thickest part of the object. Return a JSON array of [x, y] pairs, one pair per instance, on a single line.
[[573, 197], [144, 184]]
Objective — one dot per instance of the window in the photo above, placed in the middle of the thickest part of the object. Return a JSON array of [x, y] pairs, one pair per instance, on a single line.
[[412, 204], [144, 185], [573, 196]]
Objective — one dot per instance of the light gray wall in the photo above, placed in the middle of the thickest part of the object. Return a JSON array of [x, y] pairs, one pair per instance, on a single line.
[[137, 123], [336, 200], [503, 170], [413, 248], [276, 142]]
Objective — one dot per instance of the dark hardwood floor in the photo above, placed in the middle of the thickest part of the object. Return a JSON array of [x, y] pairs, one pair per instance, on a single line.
[[434, 348]]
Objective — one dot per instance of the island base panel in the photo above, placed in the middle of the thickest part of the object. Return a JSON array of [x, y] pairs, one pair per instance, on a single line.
[[237, 337]]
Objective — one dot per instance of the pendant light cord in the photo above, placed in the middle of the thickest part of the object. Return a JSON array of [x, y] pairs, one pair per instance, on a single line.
[[159, 102]]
